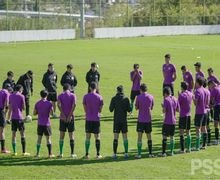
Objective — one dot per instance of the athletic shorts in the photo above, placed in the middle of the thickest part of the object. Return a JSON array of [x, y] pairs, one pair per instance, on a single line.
[[217, 113], [44, 130], [168, 130], [120, 127], [2, 118], [144, 127], [17, 125], [200, 120], [207, 118], [52, 96], [134, 94], [67, 126], [171, 88], [92, 127], [185, 122]]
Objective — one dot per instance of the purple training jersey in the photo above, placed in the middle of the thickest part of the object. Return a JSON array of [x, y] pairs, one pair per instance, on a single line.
[[144, 104], [200, 74], [169, 70], [170, 105], [136, 79], [207, 99], [43, 108], [214, 79], [185, 102], [201, 101], [92, 102], [215, 95], [4, 98], [188, 78], [17, 102], [67, 100]]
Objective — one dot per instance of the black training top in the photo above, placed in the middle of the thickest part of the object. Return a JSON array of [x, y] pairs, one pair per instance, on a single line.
[[49, 81], [69, 78]]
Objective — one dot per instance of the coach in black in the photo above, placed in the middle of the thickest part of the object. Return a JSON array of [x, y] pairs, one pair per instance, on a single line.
[[93, 76], [9, 80], [26, 81], [69, 78], [50, 83]]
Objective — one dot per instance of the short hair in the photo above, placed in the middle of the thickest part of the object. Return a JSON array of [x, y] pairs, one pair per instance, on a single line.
[[184, 85], [210, 70], [93, 85], [7, 86], [211, 82], [167, 55], [10, 73], [93, 64], [200, 81], [50, 64], [120, 89], [143, 87], [198, 64], [30, 73], [205, 83], [44, 93], [183, 67], [167, 91], [66, 87], [136, 66], [69, 66], [18, 87]]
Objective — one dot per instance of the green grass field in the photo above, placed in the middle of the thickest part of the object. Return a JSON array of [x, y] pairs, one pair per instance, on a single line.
[[116, 59]]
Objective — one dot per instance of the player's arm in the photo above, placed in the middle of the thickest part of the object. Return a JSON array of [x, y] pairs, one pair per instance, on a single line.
[[112, 105], [128, 106], [6, 104], [75, 81], [101, 106], [139, 75], [56, 78], [99, 76], [23, 104], [32, 90], [87, 77], [60, 107], [71, 112], [174, 74], [35, 111], [152, 105], [62, 81], [44, 81], [133, 76], [9, 112]]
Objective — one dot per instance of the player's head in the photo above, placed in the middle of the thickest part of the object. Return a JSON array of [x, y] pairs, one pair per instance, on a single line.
[[120, 89], [183, 69], [184, 86], [30, 74], [166, 91], [93, 86], [10, 75], [94, 66], [136, 66], [199, 82], [198, 66], [210, 71], [205, 83], [44, 94], [167, 58], [143, 88], [69, 67], [19, 88], [50, 67], [7, 86], [211, 84], [66, 87]]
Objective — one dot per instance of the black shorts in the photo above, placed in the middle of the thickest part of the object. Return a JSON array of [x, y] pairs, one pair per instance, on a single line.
[[171, 88], [44, 130], [120, 127], [168, 130], [207, 118], [200, 120], [67, 126], [52, 96], [17, 125], [2, 118], [217, 113], [134, 94], [144, 127], [92, 127], [185, 122]]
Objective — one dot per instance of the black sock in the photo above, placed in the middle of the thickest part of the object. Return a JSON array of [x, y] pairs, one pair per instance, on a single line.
[[3, 144], [72, 146], [204, 139], [182, 143], [97, 144], [49, 147], [115, 146], [164, 146], [216, 133], [149, 142], [209, 135], [212, 113], [23, 143]]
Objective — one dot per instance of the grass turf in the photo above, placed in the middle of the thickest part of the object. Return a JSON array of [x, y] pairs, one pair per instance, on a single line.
[[115, 58]]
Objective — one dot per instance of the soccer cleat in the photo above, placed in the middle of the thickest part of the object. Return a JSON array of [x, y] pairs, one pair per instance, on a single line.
[[126, 156], [216, 142], [74, 156], [182, 152], [171, 154], [37, 156], [14, 154], [5, 151], [164, 155], [86, 157], [203, 148], [138, 157], [151, 156], [99, 157], [114, 156], [26, 154], [60, 156], [51, 156], [188, 151]]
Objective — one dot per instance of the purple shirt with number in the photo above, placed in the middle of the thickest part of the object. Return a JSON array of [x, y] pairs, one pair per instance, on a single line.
[[200, 74], [188, 78], [201, 101], [185, 102], [43, 108], [136, 79], [214, 79], [169, 70], [93, 102], [67, 100], [144, 104], [170, 105], [4, 98], [215, 95], [17, 102]]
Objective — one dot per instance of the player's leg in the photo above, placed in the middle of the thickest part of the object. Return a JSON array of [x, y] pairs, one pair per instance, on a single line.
[[39, 139], [87, 144], [115, 144], [164, 141], [209, 129], [188, 134], [14, 126], [132, 98], [2, 139], [172, 145], [125, 140], [139, 145], [182, 123], [27, 106], [72, 144], [216, 123], [204, 130], [49, 146], [148, 131], [61, 143], [97, 145], [23, 139], [198, 125]]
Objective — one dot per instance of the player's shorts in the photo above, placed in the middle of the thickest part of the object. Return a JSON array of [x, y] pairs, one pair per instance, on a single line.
[[207, 118], [67, 126], [44, 130], [185, 122], [17, 125], [168, 130], [171, 88], [200, 120], [2, 118], [92, 127], [134, 94], [120, 127], [52, 96], [144, 127], [217, 113]]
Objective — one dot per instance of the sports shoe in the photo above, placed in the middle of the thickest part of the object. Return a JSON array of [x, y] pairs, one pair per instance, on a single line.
[[99, 157], [216, 142], [114, 156], [51, 156], [203, 148], [164, 155], [151, 156], [182, 152], [14, 154], [138, 156], [60, 156], [188, 151], [126, 156], [74, 156], [37, 156], [86, 157], [5, 151], [26, 154]]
